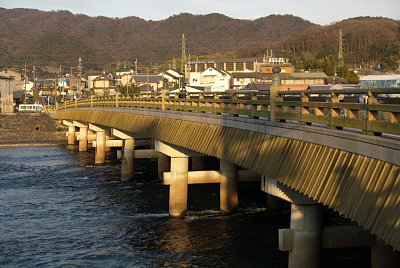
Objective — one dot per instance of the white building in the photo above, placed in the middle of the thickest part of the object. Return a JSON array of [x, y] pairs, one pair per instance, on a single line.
[[211, 79]]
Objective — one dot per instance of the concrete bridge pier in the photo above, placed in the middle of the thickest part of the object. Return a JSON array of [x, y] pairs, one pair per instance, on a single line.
[[71, 132], [178, 190], [228, 190], [305, 227], [83, 136], [100, 153], [303, 239], [127, 155], [178, 177], [128, 160]]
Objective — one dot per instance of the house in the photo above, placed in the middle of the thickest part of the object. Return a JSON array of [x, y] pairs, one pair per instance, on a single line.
[[215, 80], [103, 85], [149, 83], [173, 78], [123, 76]]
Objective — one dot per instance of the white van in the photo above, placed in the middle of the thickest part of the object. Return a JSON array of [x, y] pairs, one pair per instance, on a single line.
[[30, 108]]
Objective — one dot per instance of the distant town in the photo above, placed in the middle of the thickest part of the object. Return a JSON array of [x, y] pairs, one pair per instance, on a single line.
[[212, 75]]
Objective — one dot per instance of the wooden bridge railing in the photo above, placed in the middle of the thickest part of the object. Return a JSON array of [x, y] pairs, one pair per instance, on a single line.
[[373, 111]]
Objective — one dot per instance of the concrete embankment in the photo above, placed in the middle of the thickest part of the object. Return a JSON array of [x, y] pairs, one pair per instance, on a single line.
[[25, 129]]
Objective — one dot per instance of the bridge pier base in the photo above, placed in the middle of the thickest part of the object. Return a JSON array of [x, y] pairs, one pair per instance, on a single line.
[[305, 227], [128, 160], [384, 256], [178, 189], [228, 191]]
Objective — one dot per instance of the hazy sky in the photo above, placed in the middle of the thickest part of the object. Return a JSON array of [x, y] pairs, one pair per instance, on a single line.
[[317, 11]]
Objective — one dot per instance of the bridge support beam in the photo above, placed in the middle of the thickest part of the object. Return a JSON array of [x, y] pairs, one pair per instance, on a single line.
[[228, 191]]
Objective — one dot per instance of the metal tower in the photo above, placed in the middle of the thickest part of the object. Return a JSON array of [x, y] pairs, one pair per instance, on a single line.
[[183, 60], [341, 58]]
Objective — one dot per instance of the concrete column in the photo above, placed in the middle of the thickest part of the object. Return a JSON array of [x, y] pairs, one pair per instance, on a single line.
[[164, 164], [100, 155], [383, 256], [178, 189], [305, 225], [228, 192], [71, 135], [198, 163], [128, 160], [83, 139]]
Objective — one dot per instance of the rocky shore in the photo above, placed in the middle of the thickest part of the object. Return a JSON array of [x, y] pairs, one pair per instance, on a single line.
[[23, 129]]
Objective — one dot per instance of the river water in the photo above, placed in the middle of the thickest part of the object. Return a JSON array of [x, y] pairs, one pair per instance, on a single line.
[[59, 210]]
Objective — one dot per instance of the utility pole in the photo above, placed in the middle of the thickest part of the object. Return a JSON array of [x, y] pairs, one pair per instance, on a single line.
[[341, 58], [79, 75], [135, 66], [183, 60]]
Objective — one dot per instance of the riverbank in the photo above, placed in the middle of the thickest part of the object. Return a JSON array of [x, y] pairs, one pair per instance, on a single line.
[[26, 129]]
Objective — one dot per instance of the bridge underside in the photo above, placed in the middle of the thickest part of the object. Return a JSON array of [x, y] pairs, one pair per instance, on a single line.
[[362, 189]]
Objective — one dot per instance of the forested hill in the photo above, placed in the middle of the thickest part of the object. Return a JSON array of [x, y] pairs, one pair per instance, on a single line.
[[53, 37], [60, 37]]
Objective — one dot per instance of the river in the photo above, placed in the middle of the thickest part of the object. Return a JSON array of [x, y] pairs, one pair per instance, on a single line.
[[57, 209]]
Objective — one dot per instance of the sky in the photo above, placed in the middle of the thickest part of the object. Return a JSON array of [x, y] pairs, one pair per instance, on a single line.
[[322, 12]]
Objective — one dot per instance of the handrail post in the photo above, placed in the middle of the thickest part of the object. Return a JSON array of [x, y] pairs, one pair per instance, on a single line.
[[116, 99], [304, 110], [272, 102], [91, 101], [276, 81], [163, 97], [65, 105], [371, 115], [76, 103]]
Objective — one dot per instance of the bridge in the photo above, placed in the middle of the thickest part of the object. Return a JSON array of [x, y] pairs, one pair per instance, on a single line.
[[334, 148]]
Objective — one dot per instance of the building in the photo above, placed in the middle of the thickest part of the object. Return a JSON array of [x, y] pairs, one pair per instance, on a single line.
[[229, 65], [242, 79], [269, 63], [103, 85], [380, 81], [211, 79], [148, 83], [14, 75], [7, 88], [173, 78]]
